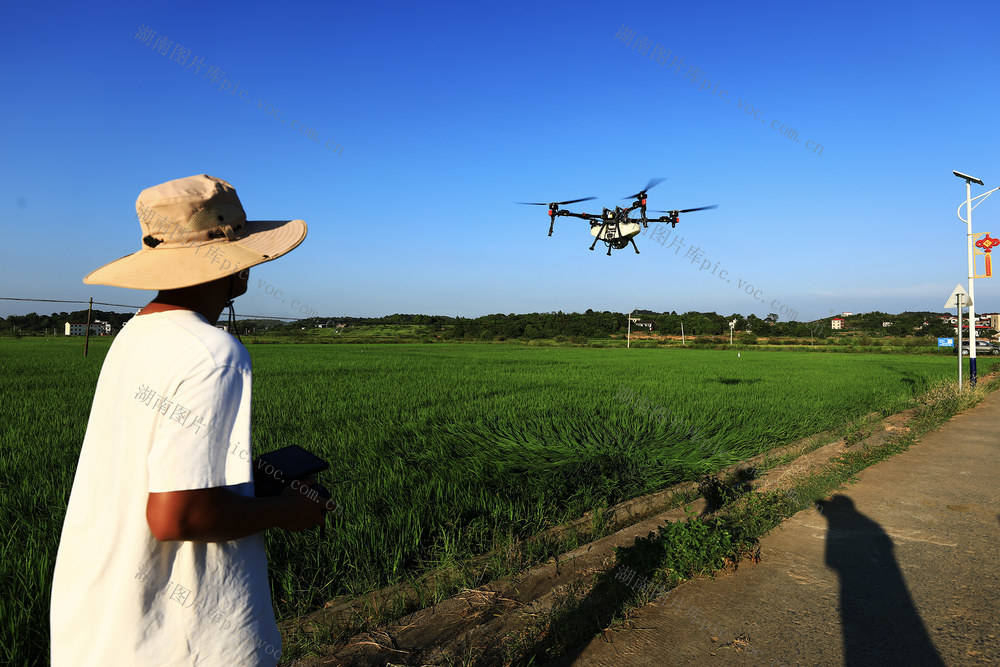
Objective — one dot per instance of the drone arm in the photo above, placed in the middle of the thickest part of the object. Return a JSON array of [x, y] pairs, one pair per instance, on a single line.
[[582, 216]]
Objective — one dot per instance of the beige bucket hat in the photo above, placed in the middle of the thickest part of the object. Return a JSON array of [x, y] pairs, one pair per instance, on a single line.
[[194, 230]]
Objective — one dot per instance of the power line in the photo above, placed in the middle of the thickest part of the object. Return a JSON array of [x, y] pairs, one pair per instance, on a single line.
[[123, 305], [120, 305]]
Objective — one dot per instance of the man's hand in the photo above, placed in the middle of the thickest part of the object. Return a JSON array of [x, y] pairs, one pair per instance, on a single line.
[[302, 508]]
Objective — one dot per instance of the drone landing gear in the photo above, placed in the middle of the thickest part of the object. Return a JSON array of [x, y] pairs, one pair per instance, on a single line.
[[615, 244], [605, 224], [606, 242]]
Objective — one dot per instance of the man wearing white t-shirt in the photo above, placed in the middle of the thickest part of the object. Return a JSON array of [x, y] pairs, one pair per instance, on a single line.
[[161, 560]]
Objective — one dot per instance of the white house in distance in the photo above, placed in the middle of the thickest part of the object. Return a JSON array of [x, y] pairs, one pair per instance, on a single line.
[[97, 327], [639, 323], [837, 323]]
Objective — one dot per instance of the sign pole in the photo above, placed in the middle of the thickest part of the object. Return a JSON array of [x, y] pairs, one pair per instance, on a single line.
[[959, 299]]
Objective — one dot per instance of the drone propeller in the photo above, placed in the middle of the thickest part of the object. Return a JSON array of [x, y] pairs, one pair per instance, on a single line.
[[557, 203], [554, 208], [641, 194], [689, 210]]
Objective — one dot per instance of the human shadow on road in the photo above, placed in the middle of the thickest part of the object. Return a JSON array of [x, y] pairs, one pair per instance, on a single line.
[[880, 622]]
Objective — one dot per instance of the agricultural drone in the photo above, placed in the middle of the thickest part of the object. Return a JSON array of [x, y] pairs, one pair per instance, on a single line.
[[615, 227]]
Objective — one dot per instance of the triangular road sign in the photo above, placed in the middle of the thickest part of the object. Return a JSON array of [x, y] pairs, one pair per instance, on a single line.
[[952, 301]]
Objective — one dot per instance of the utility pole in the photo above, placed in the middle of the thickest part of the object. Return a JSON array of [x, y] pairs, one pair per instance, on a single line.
[[86, 339], [969, 180]]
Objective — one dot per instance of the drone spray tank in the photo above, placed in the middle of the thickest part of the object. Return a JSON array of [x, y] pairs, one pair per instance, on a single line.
[[616, 229]]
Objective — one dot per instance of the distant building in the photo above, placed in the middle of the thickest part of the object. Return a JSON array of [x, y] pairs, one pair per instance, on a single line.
[[983, 321], [846, 314], [837, 323], [640, 323], [97, 327], [886, 324]]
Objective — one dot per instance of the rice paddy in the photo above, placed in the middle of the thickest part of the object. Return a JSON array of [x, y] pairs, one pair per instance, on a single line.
[[438, 451]]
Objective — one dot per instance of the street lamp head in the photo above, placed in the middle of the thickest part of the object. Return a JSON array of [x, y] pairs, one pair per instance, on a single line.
[[971, 179]]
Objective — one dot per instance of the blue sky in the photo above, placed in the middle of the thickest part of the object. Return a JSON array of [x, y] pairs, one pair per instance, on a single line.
[[447, 113]]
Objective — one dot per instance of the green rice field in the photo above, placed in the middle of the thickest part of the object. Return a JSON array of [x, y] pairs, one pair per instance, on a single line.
[[438, 452]]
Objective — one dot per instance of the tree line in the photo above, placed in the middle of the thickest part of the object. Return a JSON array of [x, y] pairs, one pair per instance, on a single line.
[[589, 324], [594, 324], [35, 323]]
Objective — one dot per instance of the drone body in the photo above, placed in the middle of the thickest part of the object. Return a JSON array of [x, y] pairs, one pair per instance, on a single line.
[[616, 228]]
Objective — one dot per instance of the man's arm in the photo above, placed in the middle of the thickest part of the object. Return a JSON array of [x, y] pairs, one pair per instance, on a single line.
[[219, 514]]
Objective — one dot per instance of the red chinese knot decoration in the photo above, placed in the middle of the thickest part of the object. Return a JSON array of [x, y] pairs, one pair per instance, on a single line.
[[987, 244]]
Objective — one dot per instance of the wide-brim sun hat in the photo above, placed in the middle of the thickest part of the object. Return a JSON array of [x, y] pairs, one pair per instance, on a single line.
[[194, 230]]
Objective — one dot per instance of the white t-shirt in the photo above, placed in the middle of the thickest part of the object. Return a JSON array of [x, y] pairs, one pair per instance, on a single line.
[[171, 412]]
